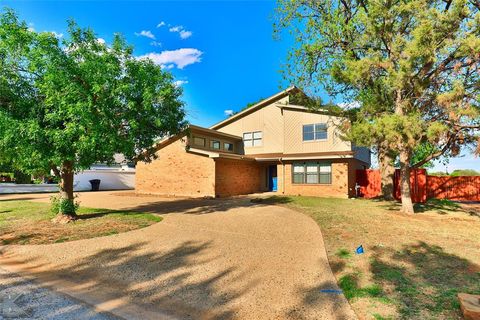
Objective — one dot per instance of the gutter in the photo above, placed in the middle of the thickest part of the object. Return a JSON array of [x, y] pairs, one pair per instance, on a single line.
[[283, 175]]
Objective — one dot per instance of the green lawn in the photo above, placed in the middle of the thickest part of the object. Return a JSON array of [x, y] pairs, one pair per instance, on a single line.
[[413, 266], [27, 222]]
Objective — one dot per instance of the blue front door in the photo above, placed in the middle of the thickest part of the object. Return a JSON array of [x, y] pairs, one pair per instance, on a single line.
[[272, 178]]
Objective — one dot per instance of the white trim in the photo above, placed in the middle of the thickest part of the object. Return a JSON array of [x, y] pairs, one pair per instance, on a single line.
[[319, 157]]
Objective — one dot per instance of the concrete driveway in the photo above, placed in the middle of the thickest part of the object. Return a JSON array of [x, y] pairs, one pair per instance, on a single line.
[[208, 259]]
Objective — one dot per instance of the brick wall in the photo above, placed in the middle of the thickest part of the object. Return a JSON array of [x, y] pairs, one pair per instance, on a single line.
[[177, 173], [338, 188], [234, 177]]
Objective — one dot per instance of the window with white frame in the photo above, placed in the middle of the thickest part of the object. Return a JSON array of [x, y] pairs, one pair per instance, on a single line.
[[312, 132], [312, 173], [252, 139]]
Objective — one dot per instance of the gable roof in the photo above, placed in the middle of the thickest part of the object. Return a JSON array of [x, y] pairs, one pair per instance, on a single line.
[[255, 107]]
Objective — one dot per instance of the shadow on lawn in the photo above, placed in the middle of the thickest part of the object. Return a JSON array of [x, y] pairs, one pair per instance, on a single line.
[[165, 281], [15, 199], [424, 280], [314, 298], [439, 206]]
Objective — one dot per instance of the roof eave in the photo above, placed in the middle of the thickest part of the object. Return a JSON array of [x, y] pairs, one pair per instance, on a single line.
[[253, 108]]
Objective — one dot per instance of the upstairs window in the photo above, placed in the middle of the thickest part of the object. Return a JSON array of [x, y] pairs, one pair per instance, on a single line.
[[312, 132], [252, 139], [199, 141], [227, 146], [215, 144], [312, 173]]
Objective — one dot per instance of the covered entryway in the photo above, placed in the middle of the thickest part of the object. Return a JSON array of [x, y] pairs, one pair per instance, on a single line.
[[272, 178]]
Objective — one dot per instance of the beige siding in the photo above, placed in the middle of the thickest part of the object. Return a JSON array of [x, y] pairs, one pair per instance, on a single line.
[[269, 120], [282, 131], [294, 121]]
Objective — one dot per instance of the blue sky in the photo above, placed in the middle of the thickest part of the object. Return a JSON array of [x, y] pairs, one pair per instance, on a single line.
[[221, 52]]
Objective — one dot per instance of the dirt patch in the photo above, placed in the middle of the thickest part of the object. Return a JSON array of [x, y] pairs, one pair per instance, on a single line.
[[25, 222]]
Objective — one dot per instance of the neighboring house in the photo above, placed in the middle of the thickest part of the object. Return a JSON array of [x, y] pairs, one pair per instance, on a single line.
[[118, 176], [271, 146]]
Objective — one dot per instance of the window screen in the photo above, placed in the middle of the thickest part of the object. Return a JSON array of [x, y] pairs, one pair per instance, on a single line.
[[214, 144], [228, 146], [308, 132], [312, 173], [313, 132], [252, 139], [199, 141], [257, 138], [321, 131], [298, 173]]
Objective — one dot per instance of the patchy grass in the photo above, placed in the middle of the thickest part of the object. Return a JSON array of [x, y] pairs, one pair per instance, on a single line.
[[27, 222], [413, 265], [343, 253]]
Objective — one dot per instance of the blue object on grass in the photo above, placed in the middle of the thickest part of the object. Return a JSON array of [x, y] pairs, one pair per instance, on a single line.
[[359, 250], [331, 291]]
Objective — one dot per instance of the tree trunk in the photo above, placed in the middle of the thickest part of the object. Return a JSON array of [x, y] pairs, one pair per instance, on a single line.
[[405, 194], [405, 155], [385, 162], [66, 207]]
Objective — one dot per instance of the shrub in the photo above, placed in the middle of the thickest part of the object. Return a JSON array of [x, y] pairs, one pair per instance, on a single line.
[[63, 205]]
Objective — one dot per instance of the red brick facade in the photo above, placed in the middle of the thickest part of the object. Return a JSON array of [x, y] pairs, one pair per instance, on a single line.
[[177, 172], [233, 177], [338, 188]]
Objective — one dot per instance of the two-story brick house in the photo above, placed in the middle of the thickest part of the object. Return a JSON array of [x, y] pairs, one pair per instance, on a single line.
[[271, 146]]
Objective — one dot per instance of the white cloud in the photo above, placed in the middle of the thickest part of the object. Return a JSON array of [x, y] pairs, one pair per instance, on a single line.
[[228, 112], [56, 34], [145, 33], [184, 34], [161, 24], [168, 66], [176, 29], [179, 83], [101, 40], [31, 27], [156, 44], [180, 57], [349, 105]]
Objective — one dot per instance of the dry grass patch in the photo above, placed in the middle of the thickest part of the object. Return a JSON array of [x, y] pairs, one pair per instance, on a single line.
[[26, 222], [413, 265]]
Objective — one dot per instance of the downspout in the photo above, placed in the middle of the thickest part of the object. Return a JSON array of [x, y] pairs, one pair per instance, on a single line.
[[283, 175]]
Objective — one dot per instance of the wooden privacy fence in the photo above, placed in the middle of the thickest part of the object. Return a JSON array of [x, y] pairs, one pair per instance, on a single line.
[[418, 185], [422, 186], [454, 188]]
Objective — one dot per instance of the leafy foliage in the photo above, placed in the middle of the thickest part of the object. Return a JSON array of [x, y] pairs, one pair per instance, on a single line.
[[413, 66], [58, 204], [65, 105], [464, 172]]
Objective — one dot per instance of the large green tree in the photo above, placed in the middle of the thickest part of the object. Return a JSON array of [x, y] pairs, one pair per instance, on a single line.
[[65, 105], [417, 59]]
